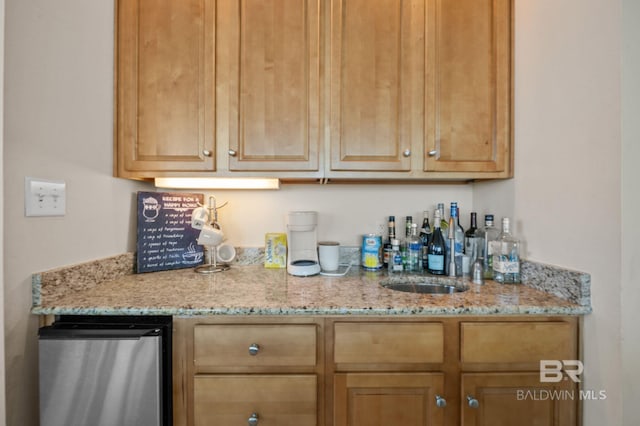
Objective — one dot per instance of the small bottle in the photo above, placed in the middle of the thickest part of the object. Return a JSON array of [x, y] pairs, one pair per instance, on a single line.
[[490, 235], [415, 249], [395, 260], [506, 259], [425, 237], [387, 245], [436, 249]]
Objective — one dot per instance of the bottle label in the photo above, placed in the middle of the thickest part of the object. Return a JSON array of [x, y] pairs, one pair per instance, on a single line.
[[506, 266], [436, 262]]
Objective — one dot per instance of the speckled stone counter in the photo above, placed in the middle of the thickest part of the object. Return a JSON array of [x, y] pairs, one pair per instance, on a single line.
[[109, 287]]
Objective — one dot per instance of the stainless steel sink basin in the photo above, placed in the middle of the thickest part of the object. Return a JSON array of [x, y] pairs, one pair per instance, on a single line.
[[425, 285]]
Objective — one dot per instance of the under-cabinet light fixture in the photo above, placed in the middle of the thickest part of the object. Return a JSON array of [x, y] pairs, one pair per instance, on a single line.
[[218, 183]]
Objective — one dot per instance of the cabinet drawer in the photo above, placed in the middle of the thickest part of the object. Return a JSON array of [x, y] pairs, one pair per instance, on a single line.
[[371, 343], [218, 346], [277, 400], [518, 342]]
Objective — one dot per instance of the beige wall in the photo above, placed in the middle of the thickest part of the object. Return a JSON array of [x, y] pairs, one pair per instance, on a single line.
[[2, 374], [566, 195], [630, 210]]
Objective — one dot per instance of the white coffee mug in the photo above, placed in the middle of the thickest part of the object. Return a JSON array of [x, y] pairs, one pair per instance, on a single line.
[[329, 255], [226, 253], [199, 218], [210, 236]]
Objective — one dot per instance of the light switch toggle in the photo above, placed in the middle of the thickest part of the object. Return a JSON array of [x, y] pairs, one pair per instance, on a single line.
[[44, 197]]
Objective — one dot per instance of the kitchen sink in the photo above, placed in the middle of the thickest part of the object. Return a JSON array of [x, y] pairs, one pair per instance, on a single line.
[[425, 285]]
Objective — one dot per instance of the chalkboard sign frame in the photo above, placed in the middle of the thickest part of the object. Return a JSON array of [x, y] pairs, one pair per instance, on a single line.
[[165, 238]]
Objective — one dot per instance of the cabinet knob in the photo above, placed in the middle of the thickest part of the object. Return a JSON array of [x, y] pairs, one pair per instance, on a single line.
[[472, 402], [233, 152], [206, 153], [253, 419], [432, 153], [440, 402], [407, 153], [254, 348]]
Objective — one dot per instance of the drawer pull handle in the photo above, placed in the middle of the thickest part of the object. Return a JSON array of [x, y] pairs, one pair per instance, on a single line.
[[440, 402], [253, 420], [254, 348], [432, 153], [207, 153], [233, 153], [407, 153], [473, 403]]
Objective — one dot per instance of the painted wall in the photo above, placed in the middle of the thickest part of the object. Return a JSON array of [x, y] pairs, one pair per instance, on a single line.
[[566, 195], [58, 124], [2, 349], [630, 210]]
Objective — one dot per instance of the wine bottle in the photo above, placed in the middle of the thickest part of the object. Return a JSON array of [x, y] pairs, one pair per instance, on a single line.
[[436, 250], [506, 262], [473, 240], [425, 237], [387, 245]]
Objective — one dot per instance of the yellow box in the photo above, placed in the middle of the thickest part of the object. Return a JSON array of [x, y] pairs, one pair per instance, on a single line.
[[275, 250]]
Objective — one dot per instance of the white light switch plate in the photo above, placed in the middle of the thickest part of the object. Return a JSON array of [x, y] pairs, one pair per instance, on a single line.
[[44, 197]]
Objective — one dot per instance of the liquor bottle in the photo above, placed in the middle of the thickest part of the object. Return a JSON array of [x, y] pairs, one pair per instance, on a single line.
[[425, 237], [395, 259], [490, 235], [436, 250], [473, 240], [444, 225], [506, 260], [457, 251], [404, 247], [387, 245], [415, 249]]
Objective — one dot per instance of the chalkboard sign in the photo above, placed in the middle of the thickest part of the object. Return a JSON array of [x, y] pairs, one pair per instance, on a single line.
[[166, 239]]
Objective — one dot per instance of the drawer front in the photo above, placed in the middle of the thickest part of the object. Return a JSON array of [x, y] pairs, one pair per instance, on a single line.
[[518, 342], [393, 343], [219, 346], [285, 400]]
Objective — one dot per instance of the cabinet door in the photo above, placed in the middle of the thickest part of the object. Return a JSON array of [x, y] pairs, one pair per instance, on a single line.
[[377, 84], [506, 399], [469, 86], [164, 105], [383, 399], [268, 83]]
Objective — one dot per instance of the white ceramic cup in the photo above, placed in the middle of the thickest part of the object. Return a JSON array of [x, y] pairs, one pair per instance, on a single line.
[[226, 253], [199, 218], [329, 254], [210, 236]]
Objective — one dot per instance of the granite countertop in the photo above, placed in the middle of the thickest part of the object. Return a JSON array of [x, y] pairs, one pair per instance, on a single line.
[[109, 287]]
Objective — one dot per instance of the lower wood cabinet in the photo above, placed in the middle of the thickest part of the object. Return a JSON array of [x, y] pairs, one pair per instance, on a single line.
[[373, 371]]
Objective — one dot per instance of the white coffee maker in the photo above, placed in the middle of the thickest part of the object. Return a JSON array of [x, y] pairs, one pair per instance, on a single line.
[[302, 245]]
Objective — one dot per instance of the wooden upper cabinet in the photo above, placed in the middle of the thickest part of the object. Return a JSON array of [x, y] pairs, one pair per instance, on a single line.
[[164, 82], [268, 83], [377, 84], [468, 97]]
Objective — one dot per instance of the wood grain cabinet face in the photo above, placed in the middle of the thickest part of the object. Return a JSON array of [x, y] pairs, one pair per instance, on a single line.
[[468, 102], [165, 72], [377, 84], [268, 83], [506, 399], [382, 399]]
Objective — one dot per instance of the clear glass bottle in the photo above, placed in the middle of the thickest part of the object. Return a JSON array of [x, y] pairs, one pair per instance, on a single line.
[[404, 244], [387, 245], [490, 235], [506, 259], [458, 239], [425, 237], [437, 249], [473, 240], [395, 259], [415, 250]]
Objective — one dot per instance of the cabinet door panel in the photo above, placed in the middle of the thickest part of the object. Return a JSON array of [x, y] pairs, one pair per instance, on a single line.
[[469, 86], [506, 399], [164, 85], [377, 77], [269, 84], [382, 399]]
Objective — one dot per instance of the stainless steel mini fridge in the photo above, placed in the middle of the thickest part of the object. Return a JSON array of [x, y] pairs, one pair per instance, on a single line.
[[105, 371]]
